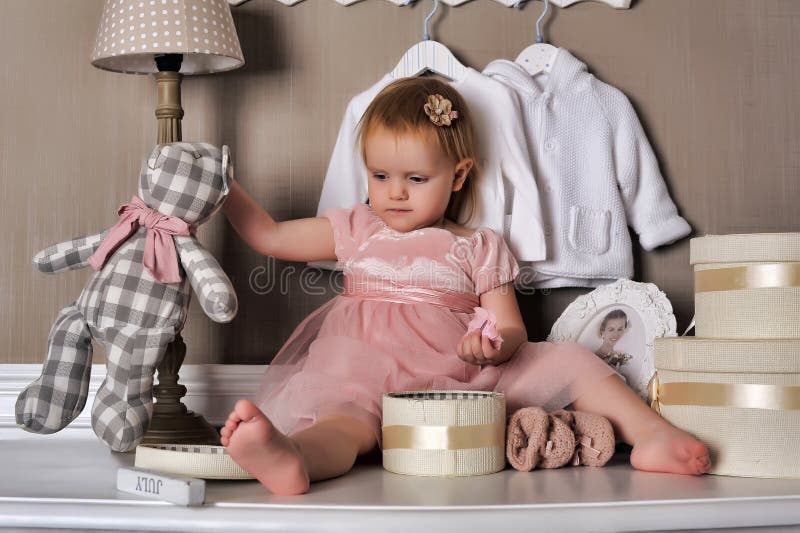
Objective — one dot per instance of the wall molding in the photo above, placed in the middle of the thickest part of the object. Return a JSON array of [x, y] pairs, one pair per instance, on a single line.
[[212, 392]]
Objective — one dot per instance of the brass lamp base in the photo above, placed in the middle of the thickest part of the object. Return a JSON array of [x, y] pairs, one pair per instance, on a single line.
[[172, 423], [169, 111], [191, 428]]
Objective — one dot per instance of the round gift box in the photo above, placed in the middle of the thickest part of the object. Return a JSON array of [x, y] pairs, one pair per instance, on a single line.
[[747, 286], [444, 433], [741, 397], [193, 460]]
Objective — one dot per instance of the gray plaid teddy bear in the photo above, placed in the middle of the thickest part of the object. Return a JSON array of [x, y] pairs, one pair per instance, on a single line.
[[137, 301]]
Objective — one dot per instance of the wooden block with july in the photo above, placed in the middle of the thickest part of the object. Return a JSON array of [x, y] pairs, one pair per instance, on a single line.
[[166, 487]]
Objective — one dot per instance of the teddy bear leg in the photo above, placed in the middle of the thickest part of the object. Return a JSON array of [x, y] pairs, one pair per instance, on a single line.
[[58, 396], [123, 406]]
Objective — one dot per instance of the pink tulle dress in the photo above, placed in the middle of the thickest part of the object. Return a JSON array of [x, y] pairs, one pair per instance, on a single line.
[[407, 301]]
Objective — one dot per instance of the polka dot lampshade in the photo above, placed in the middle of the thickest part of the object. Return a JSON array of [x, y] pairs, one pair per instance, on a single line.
[[131, 32]]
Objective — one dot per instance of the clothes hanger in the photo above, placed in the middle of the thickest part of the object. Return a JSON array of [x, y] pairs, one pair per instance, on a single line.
[[618, 4], [538, 57], [429, 55]]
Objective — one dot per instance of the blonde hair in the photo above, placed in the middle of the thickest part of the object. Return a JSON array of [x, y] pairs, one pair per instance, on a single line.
[[399, 108]]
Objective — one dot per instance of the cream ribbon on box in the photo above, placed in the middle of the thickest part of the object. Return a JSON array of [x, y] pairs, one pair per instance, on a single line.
[[195, 460], [443, 437], [747, 395], [768, 275]]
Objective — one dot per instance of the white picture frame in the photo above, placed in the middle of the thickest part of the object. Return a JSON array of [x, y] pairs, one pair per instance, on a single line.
[[647, 315]]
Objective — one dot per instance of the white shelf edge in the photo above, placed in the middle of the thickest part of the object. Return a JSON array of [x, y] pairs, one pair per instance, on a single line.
[[212, 392]]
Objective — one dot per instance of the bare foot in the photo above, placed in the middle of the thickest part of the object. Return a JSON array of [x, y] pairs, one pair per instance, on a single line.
[[266, 453], [668, 449]]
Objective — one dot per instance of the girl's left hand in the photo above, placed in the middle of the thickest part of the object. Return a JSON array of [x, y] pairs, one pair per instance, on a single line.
[[477, 349]]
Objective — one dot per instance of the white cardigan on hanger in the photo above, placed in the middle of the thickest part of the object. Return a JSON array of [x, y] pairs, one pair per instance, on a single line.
[[596, 174], [505, 162]]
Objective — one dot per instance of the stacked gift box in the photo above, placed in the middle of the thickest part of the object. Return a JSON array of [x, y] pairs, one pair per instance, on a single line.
[[736, 384]]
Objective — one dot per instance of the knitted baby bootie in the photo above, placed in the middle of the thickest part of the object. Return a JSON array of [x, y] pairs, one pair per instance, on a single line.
[[560, 446], [536, 439], [594, 437], [526, 437]]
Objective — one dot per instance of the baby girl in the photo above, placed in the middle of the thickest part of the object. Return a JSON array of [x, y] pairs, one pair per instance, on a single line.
[[415, 272]]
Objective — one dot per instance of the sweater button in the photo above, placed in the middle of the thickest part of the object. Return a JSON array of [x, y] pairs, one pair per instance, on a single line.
[[549, 145]]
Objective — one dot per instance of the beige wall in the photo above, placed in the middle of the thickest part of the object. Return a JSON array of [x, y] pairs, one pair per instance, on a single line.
[[715, 82]]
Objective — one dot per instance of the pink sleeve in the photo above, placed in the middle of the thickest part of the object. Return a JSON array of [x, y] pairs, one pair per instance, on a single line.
[[351, 227], [493, 264]]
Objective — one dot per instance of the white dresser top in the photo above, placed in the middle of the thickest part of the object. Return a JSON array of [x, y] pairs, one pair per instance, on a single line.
[[67, 483]]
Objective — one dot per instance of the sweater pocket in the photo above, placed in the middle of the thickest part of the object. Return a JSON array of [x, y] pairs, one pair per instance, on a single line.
[[589, 230]]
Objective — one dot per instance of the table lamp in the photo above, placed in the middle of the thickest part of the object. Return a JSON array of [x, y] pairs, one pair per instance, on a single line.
[[169, 38]]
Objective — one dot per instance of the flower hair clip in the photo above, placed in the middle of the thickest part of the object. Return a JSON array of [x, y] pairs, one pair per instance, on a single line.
[[440, 110]]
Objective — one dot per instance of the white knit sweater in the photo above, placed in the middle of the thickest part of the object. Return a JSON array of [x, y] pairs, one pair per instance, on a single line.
[[596, 174], [505, 165]]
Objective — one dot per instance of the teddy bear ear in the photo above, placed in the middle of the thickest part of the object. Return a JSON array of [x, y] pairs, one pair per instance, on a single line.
[[227, 168], [157, 156]]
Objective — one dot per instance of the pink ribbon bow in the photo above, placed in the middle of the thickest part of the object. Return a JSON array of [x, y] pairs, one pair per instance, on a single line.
[[485, 321], [586, 442], [160, 256]]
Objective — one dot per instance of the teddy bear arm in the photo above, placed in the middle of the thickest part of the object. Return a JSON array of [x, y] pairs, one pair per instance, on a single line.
[[68, 255], [213, 288]]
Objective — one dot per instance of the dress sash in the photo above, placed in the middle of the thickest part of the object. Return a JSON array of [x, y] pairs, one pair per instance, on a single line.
[[390, 291]]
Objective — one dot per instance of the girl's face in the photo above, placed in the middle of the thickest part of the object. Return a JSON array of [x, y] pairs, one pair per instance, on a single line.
[[410, 178], [614, 330]]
